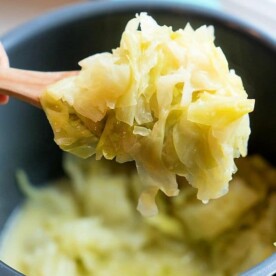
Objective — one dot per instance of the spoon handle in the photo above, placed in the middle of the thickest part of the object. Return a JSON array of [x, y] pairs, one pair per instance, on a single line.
[[23, 84], [28, 85]]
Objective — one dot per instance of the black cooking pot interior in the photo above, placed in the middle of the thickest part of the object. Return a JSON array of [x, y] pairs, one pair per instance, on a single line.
[[59, 40]]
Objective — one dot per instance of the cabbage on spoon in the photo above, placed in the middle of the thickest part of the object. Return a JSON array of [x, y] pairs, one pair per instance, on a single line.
[[165, 99]]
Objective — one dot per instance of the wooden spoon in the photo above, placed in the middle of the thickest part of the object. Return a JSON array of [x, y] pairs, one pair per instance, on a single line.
[[24, 84]]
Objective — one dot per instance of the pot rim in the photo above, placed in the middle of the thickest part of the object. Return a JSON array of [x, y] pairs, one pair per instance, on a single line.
[[73, 12]]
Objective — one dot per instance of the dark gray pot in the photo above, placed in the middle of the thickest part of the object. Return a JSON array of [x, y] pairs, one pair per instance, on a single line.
[[57, 41]]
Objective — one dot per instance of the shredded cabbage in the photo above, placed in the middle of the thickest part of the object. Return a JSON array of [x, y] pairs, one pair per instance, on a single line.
[[88, 225], [163, 98]]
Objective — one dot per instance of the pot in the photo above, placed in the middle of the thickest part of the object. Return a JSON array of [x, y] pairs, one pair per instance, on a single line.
[[58, 40]]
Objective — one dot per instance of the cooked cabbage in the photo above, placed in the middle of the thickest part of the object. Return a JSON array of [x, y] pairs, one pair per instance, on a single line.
[[88, 225], [163, 98]]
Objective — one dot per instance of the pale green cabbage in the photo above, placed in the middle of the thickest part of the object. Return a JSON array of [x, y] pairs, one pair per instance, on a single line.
[[163, 98], [88, 225]]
